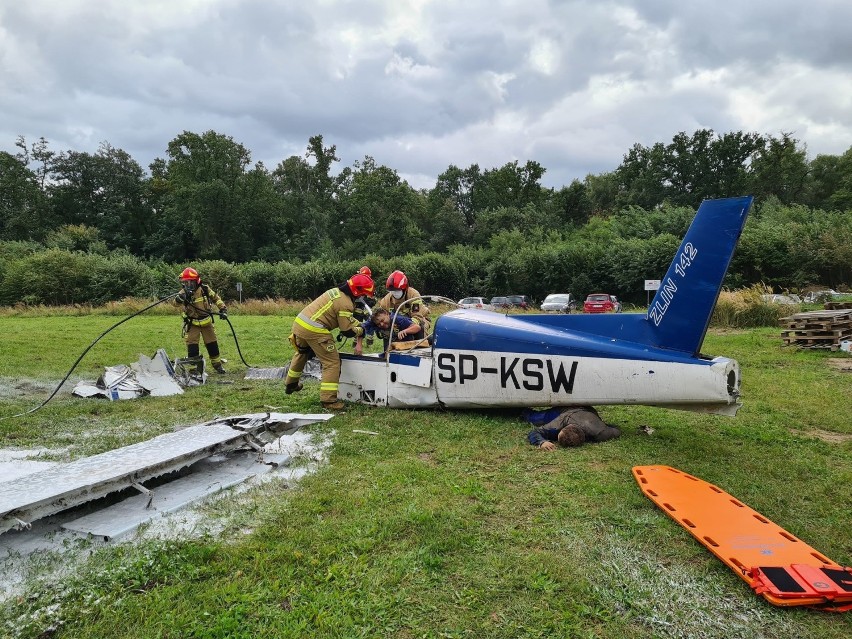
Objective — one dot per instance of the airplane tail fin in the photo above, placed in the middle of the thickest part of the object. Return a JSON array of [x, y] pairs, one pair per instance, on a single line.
[[680, 311]]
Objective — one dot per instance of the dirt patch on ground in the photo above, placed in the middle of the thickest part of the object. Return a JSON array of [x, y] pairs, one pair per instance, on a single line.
[[427, 458], [843, 364], [10, 388], [825, 435]]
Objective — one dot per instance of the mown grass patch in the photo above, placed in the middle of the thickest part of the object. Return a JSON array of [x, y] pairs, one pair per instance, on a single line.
[[447, 524]]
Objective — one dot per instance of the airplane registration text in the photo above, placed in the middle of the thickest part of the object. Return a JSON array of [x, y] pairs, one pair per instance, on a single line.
[[531, 373]]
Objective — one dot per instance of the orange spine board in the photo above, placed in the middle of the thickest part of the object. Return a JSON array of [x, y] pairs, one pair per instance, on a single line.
[[741, 537]]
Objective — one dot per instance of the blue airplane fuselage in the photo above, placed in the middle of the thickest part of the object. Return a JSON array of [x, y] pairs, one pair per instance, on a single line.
[[488, 359]]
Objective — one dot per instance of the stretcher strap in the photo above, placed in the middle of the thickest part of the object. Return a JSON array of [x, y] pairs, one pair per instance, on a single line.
[[803, 581]]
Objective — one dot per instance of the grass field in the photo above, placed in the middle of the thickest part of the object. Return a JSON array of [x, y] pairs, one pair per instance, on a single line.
[[448, 524]]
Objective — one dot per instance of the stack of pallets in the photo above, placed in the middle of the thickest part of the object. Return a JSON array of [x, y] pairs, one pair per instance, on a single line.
[[835, 306], [817, 329]]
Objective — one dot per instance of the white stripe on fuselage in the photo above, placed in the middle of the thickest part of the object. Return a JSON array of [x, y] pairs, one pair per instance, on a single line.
[[485, 378]]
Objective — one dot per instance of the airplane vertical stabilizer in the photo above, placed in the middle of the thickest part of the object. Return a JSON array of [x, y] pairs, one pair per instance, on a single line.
[[680, 311]]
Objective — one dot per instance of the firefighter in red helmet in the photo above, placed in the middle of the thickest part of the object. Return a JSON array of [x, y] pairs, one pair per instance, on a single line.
[[200, 303], [399, 292], [312, 335]]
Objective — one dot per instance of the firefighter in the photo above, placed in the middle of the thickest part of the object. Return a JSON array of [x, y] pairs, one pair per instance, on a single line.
[[400, 292], [198, 301], [312, 334]]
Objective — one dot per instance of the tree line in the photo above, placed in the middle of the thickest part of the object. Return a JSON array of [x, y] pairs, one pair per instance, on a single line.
[[784, 246], [206, 202]]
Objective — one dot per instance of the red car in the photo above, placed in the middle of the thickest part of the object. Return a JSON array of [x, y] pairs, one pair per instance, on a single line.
[[601, 303]]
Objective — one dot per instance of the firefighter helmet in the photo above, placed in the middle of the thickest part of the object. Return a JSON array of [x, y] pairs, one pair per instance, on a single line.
[[361, 284], [190, 274], [365, 270], [397, 281]]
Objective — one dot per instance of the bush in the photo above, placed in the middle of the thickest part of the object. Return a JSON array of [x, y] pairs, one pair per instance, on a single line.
[[119, 276], [50, 277], [219, 275], [745, 308], [259, 280], [434, 274]]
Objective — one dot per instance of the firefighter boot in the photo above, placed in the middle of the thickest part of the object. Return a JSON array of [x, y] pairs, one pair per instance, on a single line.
[[338, 405], [291, 388], [215, 358]]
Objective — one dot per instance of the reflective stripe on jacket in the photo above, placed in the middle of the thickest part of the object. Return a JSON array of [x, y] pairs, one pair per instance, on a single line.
[[330, 310]]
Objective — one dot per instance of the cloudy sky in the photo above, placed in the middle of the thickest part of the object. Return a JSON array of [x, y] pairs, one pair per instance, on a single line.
[[423, 84]]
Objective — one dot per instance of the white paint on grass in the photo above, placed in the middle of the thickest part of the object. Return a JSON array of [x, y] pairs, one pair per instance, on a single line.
[[45, 553], [17, 463], [672, 599]]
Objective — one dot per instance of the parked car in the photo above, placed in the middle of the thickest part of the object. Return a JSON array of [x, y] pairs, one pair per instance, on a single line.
[[476, 302], [501, 303], [616, 303], [520, 301], [601, 303], [559, 303]]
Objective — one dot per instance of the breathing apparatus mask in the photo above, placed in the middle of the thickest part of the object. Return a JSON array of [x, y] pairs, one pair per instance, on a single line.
[[397, 295], [189, 287]]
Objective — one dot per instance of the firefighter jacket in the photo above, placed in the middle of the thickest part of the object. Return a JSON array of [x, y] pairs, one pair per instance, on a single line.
[[333, 309], [204, 303], [417, 311]]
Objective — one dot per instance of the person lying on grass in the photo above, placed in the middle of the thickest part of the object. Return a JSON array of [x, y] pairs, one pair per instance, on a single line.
[[569, 426]]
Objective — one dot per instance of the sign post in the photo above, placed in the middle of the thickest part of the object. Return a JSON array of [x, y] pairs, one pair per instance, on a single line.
[[651, 285], [240, 291]]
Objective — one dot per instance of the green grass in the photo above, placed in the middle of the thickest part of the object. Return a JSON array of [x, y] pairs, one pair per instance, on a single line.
[[447, 524]]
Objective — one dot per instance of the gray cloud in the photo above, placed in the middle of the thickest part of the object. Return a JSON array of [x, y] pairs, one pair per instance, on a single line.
[[422, 85]]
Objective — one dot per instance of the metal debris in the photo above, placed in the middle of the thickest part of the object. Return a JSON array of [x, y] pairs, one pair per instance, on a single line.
[[149, 376], [50, 491], [266, 373], [190, 371]]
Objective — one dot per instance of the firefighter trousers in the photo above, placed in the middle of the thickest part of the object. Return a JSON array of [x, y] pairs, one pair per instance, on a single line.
[[322, 344], [206, 331]]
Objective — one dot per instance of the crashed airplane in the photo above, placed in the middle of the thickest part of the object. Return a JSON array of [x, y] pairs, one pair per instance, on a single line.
[[483, 359]]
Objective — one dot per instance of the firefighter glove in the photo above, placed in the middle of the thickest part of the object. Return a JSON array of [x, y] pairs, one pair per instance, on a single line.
[[181, 298], [223, 313]]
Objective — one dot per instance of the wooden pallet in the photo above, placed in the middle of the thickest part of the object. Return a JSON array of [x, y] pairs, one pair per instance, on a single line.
[[821, 333], [817, 329], [832, 346], [835, 306]]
